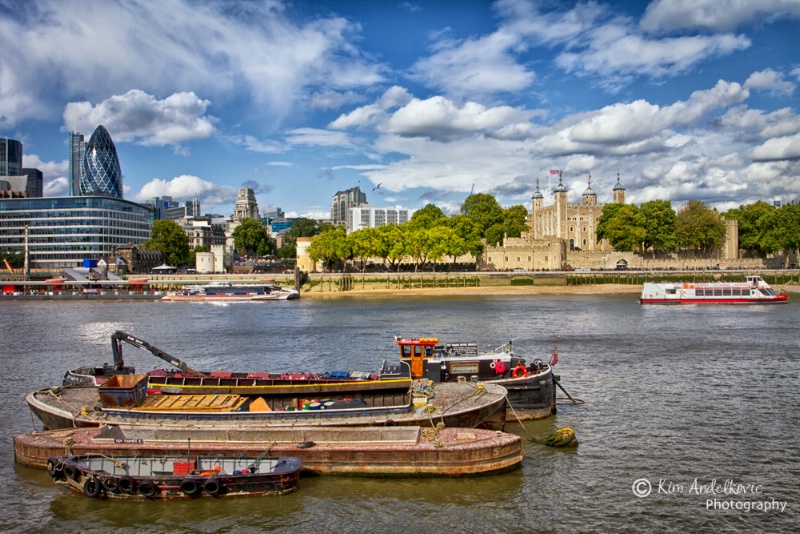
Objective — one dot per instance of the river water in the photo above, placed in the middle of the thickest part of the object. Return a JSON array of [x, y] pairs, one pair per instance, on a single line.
[[699, 404]]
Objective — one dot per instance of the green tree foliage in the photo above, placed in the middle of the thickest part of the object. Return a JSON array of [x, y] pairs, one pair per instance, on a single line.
[[515, 220], [699, 227], [782, 230], [391, 243], [753, 219], [609, 212], [468, 230], [329, 246], [417, 246], [303, 227], [363, 244], [442, 241], [484, 211], [660, 225], [494, 234], [170, 240], [251, 238], [15, 260], [428, 217], [193, 253], [626, 229]]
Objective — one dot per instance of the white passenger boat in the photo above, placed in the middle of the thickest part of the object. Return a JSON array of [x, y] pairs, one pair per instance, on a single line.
[[754, 290], [227, 292]]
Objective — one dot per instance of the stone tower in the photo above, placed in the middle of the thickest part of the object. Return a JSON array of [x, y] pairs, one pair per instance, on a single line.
[[619, 192], [246, 205]]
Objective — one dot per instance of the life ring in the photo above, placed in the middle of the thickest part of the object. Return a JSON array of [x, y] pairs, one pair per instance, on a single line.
[[147, 488], [55, 468], [492, 365], [191, 486], [127, 485], [500, 368], [519, 371], [110, 484], [92, 487], [212, 486]]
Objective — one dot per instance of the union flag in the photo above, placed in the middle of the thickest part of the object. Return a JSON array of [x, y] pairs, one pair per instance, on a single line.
[[554, 172]]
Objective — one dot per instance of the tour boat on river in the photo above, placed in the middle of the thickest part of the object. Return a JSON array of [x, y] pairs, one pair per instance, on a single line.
[[754, 290], [227, 292]]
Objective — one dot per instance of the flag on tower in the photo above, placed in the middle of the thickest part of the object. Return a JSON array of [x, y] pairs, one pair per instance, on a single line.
[[554, 172]]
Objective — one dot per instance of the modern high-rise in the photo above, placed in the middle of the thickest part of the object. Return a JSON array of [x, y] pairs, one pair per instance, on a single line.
[[101, 174], [10, 157], [369, 217], [76, 149], [343, 201]]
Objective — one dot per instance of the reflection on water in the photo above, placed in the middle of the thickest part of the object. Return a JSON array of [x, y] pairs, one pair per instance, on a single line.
[[671, 393]]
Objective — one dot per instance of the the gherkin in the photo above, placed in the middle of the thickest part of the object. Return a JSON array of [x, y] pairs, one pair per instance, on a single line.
[[101, 173]]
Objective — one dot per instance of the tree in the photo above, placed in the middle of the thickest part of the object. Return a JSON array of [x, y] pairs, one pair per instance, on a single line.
[[782, 230], [170, 240], [753, 219], [391, 242], [700, 227], [626, 229], [659, 224], [251, 238], [484, 210], [428, 217], [193, 253], [442, 241], [303, 227], [515, 220], [494, 234], [329, 246], [609, 212], [468, 230], [363, 244]]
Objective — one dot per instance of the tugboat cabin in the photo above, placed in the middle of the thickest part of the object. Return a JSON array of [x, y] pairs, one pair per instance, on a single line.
[[447, 362]]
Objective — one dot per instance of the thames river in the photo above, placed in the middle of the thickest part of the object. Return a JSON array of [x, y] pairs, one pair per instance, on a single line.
[[689, 423]]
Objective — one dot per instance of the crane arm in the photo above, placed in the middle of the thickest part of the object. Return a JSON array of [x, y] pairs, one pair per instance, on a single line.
[[116, 348]]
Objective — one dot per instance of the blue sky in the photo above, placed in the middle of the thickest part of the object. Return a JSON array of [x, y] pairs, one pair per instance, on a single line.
[[685, 99]]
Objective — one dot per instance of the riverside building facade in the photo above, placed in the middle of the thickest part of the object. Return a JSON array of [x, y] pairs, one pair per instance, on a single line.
[[64, 231]]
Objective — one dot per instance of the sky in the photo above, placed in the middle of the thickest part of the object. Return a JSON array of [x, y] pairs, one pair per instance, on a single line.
[[415, 102]]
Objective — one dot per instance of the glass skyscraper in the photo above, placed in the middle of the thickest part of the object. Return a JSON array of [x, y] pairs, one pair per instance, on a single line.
[[101, 173], [76, 150], [10, 157]]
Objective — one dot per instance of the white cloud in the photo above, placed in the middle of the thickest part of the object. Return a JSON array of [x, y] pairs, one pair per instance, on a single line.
[[770, 80], [715, 15], [318, 137], [187, 187], [614, 50], [85, 49], [778, 148], [138, 117]]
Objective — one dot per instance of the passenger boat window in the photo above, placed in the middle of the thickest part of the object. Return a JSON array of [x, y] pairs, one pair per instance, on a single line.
[[717, 292], [700, 292], [671, 291], [406, 350], [726, 293]]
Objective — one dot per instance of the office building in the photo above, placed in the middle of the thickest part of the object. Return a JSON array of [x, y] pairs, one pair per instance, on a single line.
[[10, 157], [76, 151], [343, 202], [101, 173], [369, 217], [64, 231]]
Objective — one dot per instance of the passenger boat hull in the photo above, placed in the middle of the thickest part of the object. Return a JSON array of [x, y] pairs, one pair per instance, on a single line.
[[754, 290], [408, 451], [170, 475]]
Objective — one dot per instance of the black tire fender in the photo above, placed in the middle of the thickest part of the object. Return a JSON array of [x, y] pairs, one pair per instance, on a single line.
[[212, 486], [148, 488], [72, 472], [191, 486], [110, 484], [92, 487], [127, 485], [55, 468]]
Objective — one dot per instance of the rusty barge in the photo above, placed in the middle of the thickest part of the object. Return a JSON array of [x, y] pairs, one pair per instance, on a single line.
[[403, 451]]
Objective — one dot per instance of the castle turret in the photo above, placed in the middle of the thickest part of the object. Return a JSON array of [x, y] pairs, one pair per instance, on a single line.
[[589, 197], [560, 199], [619, 192]]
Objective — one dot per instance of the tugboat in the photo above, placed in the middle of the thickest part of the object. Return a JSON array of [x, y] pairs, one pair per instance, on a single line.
[[531, 387]]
